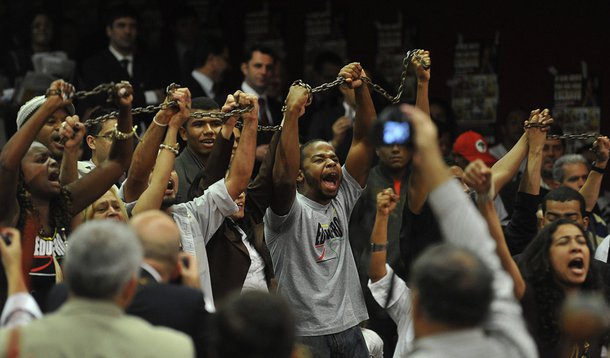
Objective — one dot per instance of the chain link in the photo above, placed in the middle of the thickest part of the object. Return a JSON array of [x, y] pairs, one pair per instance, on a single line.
[[224, 116], [579, 136]]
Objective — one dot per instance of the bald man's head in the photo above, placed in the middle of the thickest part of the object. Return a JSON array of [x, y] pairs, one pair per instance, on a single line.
[[160, 238]]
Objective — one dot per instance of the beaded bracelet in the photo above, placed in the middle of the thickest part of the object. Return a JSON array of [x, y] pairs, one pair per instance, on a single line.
[[174, 149], [118, 135]]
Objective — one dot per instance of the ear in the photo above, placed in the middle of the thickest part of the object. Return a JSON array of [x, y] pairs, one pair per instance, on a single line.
[[90, 142], [300, 176], [108, 30], [585, 222], [128, 292], [182, 132], [244, 68]]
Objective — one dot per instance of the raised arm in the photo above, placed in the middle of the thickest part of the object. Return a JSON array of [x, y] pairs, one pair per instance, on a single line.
[[461, 225], [152, 197], [145, 153], [360, 155], [423, 78], [17, 146], [243, 163], [506, 168], [287, 156], [479, 177], [386, 202], [68, 171], [590, 190], [87, 189]]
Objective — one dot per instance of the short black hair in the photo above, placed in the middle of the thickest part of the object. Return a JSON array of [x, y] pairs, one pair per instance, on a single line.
[[326, 57], [454, 285], [119, 11], [204, 103], [98, 112], [209, 45], [253, 325], [555, 129], [260, 48], [563, 194], [306, 145]]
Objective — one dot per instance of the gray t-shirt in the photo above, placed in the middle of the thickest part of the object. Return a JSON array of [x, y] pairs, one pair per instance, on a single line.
[[314, 264]]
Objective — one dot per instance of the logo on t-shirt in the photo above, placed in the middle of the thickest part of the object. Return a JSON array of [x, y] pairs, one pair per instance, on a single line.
[[324, 235]]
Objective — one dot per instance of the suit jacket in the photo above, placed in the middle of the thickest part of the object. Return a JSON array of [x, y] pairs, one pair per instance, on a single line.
[[94, 328], [228, 257], [104, 67], [177, 307]]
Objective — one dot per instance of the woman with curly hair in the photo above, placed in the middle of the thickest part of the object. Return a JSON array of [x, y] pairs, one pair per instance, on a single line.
[[33, 198], [558, 263]]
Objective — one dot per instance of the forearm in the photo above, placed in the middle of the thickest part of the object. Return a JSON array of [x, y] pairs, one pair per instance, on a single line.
[[243, 163], [121, 150], [530, 181], [365, 114], [590, 190], [506, 167], [68, 172], [417, 192], [379, 235], [433, 168], [142, 162], [287, 156], [18, 145], [16, 283], [421, 100], [152, 197], [488, 212]]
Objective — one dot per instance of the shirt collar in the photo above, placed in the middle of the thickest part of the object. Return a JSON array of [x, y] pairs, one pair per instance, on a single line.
[[119, 56], [151, 270], [204, 81], [248, 89]]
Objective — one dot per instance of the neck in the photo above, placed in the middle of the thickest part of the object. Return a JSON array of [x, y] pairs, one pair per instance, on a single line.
[[208, 71], [159, 268], [428, 328], [36, 48], [122, 51], [94, 159], [42, 210], [397, 173], [550, 182], [259, 91], [311, 194]]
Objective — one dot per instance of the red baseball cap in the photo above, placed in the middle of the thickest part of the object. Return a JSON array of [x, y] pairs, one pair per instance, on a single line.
[[471, 145]]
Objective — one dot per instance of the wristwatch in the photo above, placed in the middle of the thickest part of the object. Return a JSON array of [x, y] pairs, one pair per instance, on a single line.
[[378, 247]]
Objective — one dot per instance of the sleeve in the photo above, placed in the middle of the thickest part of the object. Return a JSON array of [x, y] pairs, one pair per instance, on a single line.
[[399, 303], [522, 226], [462, 225], [20, 309], [349, 191], [277, 224], [211, 208], [260, 190]]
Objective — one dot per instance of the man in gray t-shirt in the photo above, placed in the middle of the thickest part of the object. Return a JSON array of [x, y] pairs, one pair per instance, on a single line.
[[307, 232]]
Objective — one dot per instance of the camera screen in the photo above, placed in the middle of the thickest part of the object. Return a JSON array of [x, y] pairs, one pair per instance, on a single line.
[[396, 132]]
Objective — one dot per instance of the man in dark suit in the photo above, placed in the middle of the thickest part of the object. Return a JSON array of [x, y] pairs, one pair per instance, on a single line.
[[120, 61], [211, 61], [258, 68]]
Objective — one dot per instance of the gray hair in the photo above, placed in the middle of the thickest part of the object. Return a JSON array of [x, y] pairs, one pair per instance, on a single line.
[[559, 173], [102, 257]]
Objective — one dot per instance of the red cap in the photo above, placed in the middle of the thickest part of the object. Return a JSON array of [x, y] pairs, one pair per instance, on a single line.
[[472, 146]]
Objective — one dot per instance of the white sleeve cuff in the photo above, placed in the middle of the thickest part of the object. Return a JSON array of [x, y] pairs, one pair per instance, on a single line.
[[20, 309]]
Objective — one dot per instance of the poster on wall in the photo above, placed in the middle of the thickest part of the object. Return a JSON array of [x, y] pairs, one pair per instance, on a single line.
[[262, 27], [475, 89], [576, 107]]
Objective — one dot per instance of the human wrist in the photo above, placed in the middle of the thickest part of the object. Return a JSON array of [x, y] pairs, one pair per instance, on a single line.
[[379, 246]]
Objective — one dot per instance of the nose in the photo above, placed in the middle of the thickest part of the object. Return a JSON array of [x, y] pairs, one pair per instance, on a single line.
[[395, 148], [208, 128]]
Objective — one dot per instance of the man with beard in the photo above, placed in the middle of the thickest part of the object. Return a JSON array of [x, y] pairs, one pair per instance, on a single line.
[[307, 231]]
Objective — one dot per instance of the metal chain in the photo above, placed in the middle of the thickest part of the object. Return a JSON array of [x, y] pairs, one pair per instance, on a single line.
[[579, 136], [107, 87]]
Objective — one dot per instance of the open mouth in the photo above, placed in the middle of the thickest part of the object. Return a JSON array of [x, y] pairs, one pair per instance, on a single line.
[[330, 180], [169, 190], [207, 142], [577, 265], [54, 177]]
